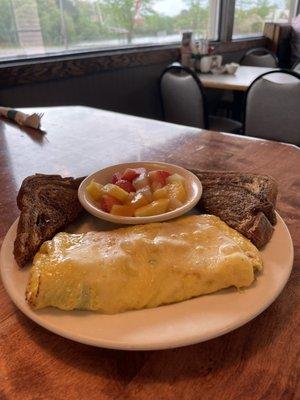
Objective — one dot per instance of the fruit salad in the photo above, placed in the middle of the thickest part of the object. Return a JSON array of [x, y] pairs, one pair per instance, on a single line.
[[139, 193]]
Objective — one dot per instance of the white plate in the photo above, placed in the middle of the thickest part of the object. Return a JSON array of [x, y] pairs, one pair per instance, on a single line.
[[175, 325]]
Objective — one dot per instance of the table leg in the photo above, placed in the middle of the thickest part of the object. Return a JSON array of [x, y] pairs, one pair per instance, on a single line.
[[238, 105]]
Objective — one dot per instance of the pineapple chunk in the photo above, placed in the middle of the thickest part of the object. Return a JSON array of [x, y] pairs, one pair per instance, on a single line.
[[176, 191], [94, 189], [175, 178], [156, 207], [123, 210], [160, 193], [116, 192], [138, 201], [174, 203], [130, 197]]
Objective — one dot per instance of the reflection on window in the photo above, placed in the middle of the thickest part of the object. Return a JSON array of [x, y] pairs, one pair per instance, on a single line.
[[36, 27], [251, 15]]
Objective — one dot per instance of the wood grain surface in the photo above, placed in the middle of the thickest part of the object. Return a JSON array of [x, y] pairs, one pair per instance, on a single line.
[[70, 66], [257, 361]]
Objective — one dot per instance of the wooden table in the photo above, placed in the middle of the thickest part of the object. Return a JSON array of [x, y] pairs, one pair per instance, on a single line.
[[256, 361], [240, 81]]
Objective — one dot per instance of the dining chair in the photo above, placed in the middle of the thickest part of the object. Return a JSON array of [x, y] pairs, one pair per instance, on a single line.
[[272, 107], [184, 101], [259, 57], [296, 66]]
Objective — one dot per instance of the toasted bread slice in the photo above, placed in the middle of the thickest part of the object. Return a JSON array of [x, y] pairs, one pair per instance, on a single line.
[[47, 204], [244, 201]]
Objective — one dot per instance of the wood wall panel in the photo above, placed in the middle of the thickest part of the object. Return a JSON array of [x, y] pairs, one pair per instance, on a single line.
[[42, 70]]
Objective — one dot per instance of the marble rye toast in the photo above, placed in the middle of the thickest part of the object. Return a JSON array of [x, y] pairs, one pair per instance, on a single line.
[[245, 201], [47, 204]]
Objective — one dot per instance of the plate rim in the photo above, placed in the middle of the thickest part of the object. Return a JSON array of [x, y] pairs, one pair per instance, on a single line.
[[175, 343]]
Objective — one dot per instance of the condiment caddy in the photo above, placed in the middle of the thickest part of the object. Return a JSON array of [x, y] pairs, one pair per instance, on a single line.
[[199, 55]]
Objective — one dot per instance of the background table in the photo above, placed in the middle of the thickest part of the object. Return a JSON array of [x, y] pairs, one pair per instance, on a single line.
[[257, 361], [240, 81]]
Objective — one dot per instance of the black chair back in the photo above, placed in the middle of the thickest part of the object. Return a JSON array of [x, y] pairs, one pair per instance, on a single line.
[[272, 107], [259, 57], [183, 97]]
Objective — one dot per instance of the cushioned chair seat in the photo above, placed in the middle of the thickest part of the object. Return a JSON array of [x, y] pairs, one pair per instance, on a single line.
[[224, 124], [272, 107], [259, 57]]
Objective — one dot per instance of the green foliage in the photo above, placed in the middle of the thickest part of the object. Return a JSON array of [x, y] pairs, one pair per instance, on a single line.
[[71, 22], [155, 22], [120, 15], [85, 28], [50, 22], [195, 17], [250, 16], [7, 26]]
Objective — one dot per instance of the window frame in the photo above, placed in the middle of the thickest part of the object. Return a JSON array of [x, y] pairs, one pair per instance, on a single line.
[[82, 51], [226, 20], [224, 42]]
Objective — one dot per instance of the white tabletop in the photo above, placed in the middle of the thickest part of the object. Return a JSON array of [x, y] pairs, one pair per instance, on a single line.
[[241, 80]]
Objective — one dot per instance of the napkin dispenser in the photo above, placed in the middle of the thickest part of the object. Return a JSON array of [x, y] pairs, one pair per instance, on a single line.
[[207, 63]]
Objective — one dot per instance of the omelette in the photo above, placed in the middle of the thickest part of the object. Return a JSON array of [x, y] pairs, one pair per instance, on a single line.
[[141, 266]]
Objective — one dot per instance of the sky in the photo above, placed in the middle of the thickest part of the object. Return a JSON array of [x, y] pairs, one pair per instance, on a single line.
[[174, 7], [169, 7]]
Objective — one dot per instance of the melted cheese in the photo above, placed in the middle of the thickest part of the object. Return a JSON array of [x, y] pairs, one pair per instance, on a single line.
[[141, 266]]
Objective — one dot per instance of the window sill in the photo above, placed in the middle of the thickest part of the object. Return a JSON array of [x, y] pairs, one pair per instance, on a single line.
[[85, 54], [63, 66]]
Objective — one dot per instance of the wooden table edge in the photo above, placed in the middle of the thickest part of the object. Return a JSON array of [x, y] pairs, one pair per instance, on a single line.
[[214, 85]]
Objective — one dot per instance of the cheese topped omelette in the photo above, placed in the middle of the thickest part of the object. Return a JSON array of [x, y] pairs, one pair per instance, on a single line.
[[141, 266]]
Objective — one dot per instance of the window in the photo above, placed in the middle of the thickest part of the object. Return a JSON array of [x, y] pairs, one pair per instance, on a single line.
[[38, 27], [251, 15]]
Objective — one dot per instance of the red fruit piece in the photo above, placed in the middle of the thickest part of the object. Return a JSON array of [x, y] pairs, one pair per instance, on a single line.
[[159, 176], [107, 202], [126, 185], [116, 177], [164, 174], [131, 173]]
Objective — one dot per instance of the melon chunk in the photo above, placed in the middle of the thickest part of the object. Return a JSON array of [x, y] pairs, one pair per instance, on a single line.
[[141, 181], [158, 178], [155, 208]]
